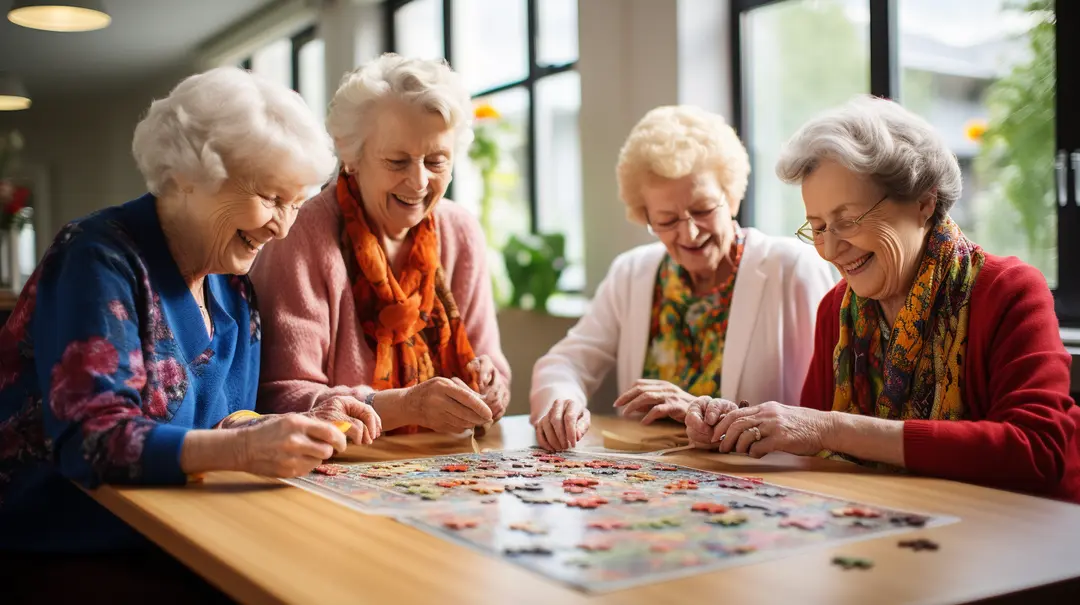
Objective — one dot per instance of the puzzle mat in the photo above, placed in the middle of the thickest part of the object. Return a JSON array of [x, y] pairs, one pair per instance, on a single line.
[[602, 522]]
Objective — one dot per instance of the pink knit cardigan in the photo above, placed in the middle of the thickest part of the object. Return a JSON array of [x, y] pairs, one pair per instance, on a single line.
[[313, 347]]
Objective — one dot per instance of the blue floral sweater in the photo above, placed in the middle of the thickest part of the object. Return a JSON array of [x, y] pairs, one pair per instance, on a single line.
[[105, 365]]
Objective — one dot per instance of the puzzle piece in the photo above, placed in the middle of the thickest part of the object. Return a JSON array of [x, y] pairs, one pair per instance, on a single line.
[[639, 476], [909, 520], [486, 490], [587, 502], [530, 475], [595, 545], [667, 468], [569, 464], [729, 484], [749, 505], [770, 492], [517, 551], [520, 465], [608, 524], [856, 511], [728, 519], [713, 508], [628, 467], [659, 523], [604, 471], [803, 523], [549, 459], [532, 499], [330, 469], [634, 496], [852, 562], [528, 527], [580, 482], [531, 486], [863, 523], [452, 483], [595, 464], [730, 549], [574, 489], [455, 468], [918, 545], [682, 485], [426, 493], [458, 523]]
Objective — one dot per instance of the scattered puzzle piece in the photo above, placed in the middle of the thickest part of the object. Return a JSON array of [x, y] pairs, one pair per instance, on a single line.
[[574, 489], [853, 562], [682, 485], [330, 469], [755, 480], [517, 551], [634, 496], [451, 483], [753, 505], [569, 464], [594, 464], [863, 523], [532, 499], [608, 524], [776, 512], [455, 468], [856, 511], [713, 508], [770, 492], [457, 523], [604, 471], [729, 484], [628, 467], [531, 486], [580, 482], [660, 523], [919, 544], [909, 520], [595, 545], [730, 549], [486, 490], [530, 475], [587, 502], [728, 519], [638, 476], [803, 523], [528, 527], [343, 425], [665, 468]]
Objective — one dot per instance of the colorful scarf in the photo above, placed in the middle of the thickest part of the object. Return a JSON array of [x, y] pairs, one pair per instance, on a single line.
[[412, 318], [687, 331], [917, 371]]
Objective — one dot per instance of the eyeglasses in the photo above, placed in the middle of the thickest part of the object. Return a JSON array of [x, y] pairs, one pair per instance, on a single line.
[[841, 227], [701, 218]]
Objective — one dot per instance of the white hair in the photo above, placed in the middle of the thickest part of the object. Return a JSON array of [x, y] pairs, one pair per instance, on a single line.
[[876, 137], [428, 83], [227, 121], [676, 140]]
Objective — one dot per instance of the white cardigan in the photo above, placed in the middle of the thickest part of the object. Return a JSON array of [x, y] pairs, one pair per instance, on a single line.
[[769, 341]]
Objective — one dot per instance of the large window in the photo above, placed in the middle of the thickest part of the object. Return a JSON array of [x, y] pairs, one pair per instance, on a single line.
[[518, 56], [985, 73], [297, 62]]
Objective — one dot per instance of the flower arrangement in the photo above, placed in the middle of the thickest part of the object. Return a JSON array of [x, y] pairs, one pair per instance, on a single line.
[[486, 155], [16, 209]]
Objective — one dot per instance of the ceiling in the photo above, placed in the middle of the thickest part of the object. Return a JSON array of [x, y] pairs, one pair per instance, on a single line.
[[145, 37]]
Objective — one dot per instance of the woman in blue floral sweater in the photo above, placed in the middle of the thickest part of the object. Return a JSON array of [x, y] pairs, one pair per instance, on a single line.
[[132, 355]]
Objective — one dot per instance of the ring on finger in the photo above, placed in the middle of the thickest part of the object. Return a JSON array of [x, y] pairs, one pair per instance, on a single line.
[[757, 433]]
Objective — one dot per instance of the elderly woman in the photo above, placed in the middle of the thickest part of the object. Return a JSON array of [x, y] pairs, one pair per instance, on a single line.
[[133, 353], [711, 310], [382, 294], [931, 355]]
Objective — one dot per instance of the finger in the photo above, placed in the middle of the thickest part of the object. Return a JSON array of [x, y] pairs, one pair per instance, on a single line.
[[746, 439], [758, 449], [325, 432], [558, 422], [370, 419], [303, 465], [643, 403], [716, 409], [724, 424], [583, 424], [697, 430], [658, 412], [734, 433], [697, 409], [549, 434], [631, 394], [486, 371], [541, 440], [469, 400], [570, 418]]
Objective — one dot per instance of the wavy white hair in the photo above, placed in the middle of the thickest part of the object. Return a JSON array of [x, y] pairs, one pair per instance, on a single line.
[[228, 121], [674, 141], [879, 138], [429, 83]]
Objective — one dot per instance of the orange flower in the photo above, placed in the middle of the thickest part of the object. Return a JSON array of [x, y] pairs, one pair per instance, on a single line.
[[974, 129], [485, 111]]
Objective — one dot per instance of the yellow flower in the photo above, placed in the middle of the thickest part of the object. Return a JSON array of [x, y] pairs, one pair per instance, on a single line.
[[485, 111], [974, 129]]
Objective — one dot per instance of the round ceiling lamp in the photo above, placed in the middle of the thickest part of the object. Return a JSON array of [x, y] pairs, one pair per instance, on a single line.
[[12, 93], [60, 15]]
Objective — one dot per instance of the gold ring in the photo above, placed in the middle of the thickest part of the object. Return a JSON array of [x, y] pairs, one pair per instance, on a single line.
[[757, 433]]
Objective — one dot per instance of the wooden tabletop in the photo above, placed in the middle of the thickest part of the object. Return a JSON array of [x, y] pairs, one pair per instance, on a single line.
[[8, 299], [262, 541]]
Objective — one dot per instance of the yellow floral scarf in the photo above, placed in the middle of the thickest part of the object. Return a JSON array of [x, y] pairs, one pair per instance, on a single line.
[[917, 372]]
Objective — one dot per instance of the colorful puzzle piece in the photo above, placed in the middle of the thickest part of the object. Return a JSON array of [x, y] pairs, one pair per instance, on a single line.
[[852, 562], [918, 545], [728, 519]]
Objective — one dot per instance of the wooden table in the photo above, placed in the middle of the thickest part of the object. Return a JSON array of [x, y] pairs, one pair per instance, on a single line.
[[265, 542]]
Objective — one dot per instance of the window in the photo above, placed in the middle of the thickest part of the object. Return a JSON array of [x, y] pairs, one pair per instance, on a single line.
[[298, 63], [987, 74], [517, 56]]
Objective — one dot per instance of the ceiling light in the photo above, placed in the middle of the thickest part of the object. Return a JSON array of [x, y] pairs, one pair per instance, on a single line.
[[60, 15], [12, 93]]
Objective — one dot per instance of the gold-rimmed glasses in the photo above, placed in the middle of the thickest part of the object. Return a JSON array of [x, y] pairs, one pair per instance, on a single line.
[[841, 227], [700, 217]]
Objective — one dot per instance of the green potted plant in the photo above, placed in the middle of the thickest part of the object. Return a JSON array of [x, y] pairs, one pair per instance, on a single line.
[[534, 264]]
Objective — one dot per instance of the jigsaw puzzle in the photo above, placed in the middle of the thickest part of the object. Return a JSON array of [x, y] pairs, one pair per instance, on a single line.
[[601, 522]]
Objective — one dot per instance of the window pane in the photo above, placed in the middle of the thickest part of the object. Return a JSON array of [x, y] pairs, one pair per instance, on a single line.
[[313, 76], [274, 62], [558, 169], [491, 45], [558, 39], [800, 58], [974, 65], [507, 207], [418, 29]]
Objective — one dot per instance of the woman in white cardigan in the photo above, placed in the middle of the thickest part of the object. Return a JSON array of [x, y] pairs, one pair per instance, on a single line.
[[711, 310]]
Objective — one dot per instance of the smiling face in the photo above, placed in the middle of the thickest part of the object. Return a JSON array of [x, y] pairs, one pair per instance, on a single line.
[[691, 217], [405, 166], [242, 216], [880, 258]]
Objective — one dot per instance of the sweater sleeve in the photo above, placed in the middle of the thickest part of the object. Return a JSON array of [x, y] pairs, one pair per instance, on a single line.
[[1021, 440], [817, 390], [300, 305], [470, 283], [574, 368], [808, 285], [89, 357]]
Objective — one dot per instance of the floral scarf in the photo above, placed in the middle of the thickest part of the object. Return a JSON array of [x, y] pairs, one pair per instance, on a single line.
[[687, 332], [412, 317], [916, 372]]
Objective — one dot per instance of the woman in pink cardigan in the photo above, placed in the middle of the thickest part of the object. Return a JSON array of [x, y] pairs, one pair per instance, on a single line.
[[382, 295]]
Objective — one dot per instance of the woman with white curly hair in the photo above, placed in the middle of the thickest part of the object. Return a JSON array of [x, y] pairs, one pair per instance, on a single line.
[[932, 355], [382, 294], [711, 310], [132, 355]]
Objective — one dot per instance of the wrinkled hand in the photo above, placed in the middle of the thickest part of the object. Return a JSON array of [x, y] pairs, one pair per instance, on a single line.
[[652, 400], [783, 428], [701, 418], [490, 384], [366, 424], [565, 422], [287, 445], [446, 405]]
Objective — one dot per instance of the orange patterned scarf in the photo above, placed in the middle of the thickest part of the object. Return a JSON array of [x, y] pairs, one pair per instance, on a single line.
[[412, 317]]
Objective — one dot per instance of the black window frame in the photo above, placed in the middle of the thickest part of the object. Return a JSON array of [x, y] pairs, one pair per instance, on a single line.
[[537, 72], [884, 82], [296, 42]]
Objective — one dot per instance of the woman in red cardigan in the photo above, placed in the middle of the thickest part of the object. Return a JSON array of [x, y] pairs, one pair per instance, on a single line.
[[931, 355]]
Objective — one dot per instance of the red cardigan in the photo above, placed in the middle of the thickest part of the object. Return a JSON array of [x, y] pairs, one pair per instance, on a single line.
[[1021, 432]]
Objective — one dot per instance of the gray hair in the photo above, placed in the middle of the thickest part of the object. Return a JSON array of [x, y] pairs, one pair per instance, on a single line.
[[898, 149], [428, 83], [229, 120]]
